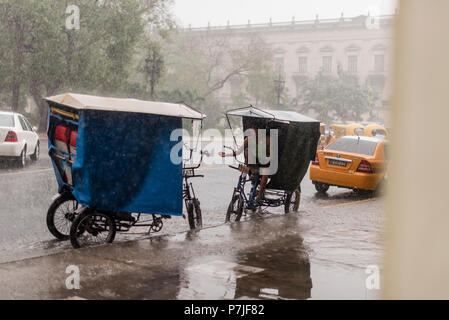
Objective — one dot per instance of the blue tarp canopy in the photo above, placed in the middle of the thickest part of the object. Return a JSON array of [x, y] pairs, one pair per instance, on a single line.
[[122, 161]]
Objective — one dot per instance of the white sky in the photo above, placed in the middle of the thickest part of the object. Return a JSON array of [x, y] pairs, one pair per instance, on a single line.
[[199, 12]]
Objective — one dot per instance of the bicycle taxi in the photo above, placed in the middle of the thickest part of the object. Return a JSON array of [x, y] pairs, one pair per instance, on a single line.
[[116, 161], [294, 145]]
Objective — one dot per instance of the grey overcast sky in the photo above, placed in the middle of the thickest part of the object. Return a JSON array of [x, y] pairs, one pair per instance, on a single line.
[[199, 12]]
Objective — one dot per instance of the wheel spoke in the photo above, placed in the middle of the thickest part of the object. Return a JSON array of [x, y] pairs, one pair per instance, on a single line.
[[61, 221]]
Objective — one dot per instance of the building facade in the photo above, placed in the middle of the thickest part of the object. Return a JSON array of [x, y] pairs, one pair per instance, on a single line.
[[361, 45]]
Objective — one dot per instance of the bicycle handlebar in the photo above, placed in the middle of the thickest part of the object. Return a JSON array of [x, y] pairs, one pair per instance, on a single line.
[[234, 155], [202, 152]]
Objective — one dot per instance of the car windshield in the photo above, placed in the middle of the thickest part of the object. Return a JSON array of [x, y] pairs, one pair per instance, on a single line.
[[6, 120], [359, 146]]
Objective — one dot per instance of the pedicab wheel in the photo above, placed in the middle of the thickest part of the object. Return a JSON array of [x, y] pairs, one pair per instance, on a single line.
[[92, 228], [292, 201], [235, 209], [60, 216], [194, 215]]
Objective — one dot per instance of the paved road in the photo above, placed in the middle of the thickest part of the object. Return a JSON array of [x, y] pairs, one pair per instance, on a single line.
[[267, 258], [25, 195], [339, 234]]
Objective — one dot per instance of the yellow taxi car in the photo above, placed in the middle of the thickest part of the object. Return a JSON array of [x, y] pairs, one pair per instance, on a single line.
[[340, 130], [373, 130], [354, 162], [336, 131], [356, 129]]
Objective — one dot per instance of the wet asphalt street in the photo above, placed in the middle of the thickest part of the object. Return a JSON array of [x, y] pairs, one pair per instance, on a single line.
[[338, 235], [270, 258]]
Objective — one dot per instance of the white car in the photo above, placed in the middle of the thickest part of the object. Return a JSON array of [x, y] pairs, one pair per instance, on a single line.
[[17, 138]]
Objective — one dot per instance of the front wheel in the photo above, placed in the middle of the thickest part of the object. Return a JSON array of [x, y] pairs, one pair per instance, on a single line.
[[194, 214], [61, 214], [92, 228], [235, 209], [35, 155], [21, 160], [292, 201]]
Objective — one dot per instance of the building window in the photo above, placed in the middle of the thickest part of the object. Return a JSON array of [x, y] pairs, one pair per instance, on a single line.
[[379, 63], [352, 64], [327, 64], [279, 65], [302, 64]]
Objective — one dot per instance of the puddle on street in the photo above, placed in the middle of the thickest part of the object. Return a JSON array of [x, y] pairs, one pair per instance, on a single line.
[[277, 271]]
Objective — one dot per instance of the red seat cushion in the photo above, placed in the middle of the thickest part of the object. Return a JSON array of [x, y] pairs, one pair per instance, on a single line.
[[62, 133], [73, 136], [62, 136]]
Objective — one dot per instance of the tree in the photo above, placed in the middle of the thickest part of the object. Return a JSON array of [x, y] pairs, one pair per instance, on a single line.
[[205, 63], [49, 57], [199, 65], [340, 97], [261, 86], [18, 23]]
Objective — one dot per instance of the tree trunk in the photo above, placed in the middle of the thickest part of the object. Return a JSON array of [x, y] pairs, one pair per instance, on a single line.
[[17, 65], [15, 94], [41, 105]]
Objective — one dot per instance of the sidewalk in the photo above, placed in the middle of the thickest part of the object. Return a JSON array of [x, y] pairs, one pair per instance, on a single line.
[[261, 259]]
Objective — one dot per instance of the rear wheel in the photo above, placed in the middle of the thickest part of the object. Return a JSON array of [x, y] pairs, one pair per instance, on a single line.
[[61, 214], [35, 155], [321, 187], [92, 228], [235, 209], [194, 214], [292, 201]]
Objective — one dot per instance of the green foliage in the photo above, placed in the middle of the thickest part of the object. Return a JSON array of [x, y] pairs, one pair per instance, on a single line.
[[261, 86], [45, 58], [337, 98]]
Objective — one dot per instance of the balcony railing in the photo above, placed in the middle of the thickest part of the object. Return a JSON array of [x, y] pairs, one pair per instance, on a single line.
[[303, 24]]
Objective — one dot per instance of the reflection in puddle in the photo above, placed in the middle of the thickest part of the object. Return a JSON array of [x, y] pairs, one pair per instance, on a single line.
[[278, 271], [214, 280]]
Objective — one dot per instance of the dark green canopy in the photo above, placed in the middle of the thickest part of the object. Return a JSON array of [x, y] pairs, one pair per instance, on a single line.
[[297, 142]]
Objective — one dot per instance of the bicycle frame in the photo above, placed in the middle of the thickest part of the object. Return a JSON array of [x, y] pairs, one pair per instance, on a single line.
[[250, 202]]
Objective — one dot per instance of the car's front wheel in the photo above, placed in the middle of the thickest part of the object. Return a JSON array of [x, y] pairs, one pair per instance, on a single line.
[[35, 155], [21, 160]]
